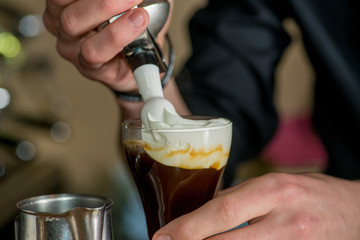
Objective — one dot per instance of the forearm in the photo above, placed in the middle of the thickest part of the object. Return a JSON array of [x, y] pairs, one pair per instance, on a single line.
[[129, 110], [172, 93]]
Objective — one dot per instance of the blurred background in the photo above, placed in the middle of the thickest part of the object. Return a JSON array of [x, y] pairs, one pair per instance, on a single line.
[[59, 131]]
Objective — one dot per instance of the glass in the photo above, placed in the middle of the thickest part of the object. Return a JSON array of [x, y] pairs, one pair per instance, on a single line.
[[176, 170]]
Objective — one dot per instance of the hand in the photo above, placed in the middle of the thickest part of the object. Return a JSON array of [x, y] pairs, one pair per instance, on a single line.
[[96, 54], [277, 206]]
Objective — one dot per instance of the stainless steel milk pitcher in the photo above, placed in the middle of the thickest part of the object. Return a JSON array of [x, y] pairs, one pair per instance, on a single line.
[[64, 217]]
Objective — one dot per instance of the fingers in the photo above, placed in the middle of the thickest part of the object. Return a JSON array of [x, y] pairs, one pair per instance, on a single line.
[[75, 27], [97, 55], [222, 213], [82, 15], [103, 46], [233, 188], [77, 17], [256, 199], [115, 74], [262, 230], [52, 14]]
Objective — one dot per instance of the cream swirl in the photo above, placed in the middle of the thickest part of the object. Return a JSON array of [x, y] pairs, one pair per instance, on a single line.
[[189, 143]]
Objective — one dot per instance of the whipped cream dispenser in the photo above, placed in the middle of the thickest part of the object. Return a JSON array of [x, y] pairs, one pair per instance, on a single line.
[[147, 62], [144, 50]]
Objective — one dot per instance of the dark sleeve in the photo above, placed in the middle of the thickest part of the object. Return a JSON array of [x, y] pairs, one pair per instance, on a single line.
[[236, 47]]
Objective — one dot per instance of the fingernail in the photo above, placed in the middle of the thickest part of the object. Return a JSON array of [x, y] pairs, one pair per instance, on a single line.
[[136, 19], [163, 237]]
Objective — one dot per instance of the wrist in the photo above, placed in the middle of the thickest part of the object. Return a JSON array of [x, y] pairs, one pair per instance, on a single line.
[[129, 110]]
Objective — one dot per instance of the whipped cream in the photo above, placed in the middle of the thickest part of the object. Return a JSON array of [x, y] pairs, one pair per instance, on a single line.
[[176, 141], [188, 143]]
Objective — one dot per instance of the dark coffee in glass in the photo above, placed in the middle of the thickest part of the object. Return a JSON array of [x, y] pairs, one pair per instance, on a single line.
[[176, 170]]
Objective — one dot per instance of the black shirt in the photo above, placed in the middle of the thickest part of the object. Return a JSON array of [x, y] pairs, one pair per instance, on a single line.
[[237, 45]]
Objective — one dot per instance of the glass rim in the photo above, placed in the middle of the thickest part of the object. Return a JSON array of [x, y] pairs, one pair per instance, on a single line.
[[130, 124]]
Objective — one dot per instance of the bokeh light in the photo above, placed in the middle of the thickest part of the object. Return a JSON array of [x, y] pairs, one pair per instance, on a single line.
[[31, 25], [10, 45], [61, 132], [4, 98], [25, 151]]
